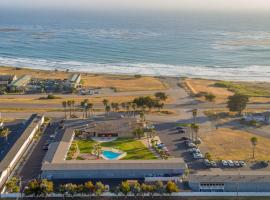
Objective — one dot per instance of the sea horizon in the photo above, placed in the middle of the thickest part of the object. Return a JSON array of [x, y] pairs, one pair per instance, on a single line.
[[225, 47]]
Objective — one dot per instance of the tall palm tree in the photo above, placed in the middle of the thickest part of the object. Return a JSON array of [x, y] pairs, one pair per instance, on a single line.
[[196, 130], [97, 150], [73, 106], [107, 110], [91, 106], [69, 103], [134, 107], [64, 104], [194, 114], [123, 106], [105, 102], [83, 106], [4, 133], [128, 104], [254, 142]]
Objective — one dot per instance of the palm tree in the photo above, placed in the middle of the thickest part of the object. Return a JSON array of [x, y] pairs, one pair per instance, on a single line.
[[91, 106], [105, 102], [123, 106], [194, 114], [83, 106], [107, 109], [134, 107], [128, 104], [97, 150], [64, 104], [194, 128], [254, 142], [69, 103], [4, 133], [73, 106]]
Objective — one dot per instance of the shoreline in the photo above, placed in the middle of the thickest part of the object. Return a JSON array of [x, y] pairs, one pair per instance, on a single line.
[[261, 79]]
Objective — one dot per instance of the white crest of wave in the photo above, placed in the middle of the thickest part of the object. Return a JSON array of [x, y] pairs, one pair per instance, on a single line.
[[255, 73]]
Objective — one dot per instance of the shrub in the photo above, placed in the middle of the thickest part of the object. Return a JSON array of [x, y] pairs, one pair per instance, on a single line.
[[137, 76]]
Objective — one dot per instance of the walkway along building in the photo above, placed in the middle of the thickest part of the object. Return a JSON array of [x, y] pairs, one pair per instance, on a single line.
[[12, 158]]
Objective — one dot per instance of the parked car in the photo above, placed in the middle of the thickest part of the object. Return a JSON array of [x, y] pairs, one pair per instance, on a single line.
[[265, 163], [193, 149], [197, 156], [242, 163], [213, 164], [180, 128], [230, 163], [181, 131], [45, 147], [236, 163], [224, 163], [185, 139], [207, 163], [191, 144]]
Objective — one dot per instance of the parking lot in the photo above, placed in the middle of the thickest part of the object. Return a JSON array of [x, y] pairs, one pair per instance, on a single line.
[[176, 142], [32, 167]]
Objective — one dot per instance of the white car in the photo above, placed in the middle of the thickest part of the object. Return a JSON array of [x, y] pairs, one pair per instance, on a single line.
[[236, 163], [191, 144], [242, 163], [197, 156], [224, 163], [230, 163]]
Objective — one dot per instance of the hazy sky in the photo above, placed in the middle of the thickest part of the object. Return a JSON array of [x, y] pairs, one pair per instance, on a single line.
[[142, 4]]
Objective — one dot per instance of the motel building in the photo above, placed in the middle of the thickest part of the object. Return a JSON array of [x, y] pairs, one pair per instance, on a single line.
[[230, 181], [11, 159], [56, 167]]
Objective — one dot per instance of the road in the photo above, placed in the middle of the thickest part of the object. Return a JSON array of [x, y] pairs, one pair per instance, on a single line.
[[32, 167]]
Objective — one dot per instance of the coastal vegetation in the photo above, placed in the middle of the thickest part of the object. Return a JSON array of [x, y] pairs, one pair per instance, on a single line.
[[258, 92], [244, 88]]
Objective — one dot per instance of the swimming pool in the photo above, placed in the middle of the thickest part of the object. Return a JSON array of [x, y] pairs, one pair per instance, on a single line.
[[110, 155]]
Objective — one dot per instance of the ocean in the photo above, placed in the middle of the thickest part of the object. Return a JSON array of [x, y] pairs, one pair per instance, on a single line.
[[233, 46]]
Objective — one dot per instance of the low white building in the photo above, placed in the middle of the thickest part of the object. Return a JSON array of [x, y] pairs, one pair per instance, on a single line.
[[11, 159]]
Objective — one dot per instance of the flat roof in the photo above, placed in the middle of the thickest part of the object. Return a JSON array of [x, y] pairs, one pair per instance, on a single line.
[[21, 81], [74, 78], [30, 125], [174, 163], [222, 176]]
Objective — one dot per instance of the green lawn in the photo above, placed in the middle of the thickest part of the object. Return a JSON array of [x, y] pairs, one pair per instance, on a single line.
[[135, 149]]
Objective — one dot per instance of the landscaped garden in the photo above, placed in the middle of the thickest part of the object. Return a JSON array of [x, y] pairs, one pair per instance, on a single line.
[[134, 148]]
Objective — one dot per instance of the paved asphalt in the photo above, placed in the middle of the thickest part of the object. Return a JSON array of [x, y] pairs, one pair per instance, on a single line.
[[16, 129], [32, 166]]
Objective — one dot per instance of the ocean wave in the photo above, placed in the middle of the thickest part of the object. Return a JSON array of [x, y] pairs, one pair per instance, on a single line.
[[252, 73]]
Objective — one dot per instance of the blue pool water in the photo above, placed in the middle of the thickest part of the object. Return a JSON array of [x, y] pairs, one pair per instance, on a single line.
[[111, 155]]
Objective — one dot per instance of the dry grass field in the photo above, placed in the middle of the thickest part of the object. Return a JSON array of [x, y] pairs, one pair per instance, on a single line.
[[119, 82], [231, 144], [202, 85]]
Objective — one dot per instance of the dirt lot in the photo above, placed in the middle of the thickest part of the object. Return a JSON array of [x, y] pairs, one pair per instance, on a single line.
[[231, 144], [201, 85], [119, 82]]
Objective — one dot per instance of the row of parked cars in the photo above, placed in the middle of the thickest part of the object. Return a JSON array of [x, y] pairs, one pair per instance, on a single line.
[[233, 163]]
